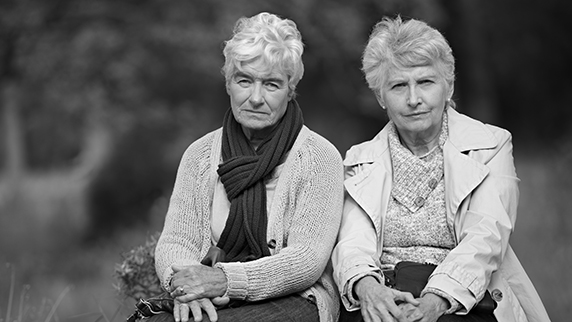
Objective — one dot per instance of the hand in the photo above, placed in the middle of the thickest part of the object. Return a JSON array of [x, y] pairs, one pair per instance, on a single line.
[[431, 307], [197, 281], [182, 311], [378, 301], [412, 312]]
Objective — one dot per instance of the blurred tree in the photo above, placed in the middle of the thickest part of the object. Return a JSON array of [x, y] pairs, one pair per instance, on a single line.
[[106, 95]]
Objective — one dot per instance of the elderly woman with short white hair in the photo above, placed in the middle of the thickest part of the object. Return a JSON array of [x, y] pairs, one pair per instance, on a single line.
[[257, 204], [431, 200]]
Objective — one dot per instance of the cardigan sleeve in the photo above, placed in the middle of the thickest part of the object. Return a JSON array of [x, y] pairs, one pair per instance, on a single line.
[[185, 231]]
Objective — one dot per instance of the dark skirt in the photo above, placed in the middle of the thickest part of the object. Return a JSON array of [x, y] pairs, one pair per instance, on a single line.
[[289, 308]]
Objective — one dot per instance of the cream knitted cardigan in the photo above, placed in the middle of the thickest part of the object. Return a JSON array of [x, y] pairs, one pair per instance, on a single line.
[[303, 223]]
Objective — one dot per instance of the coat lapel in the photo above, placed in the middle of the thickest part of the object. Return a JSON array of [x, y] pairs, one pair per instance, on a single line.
[[462, 172], [370, 187]]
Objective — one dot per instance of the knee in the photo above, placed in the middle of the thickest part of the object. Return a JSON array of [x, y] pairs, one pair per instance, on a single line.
[[163, 317]]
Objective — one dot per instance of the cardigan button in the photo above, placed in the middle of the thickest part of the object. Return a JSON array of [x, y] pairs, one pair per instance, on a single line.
[[496, 294], [419, 201], [272, 244]]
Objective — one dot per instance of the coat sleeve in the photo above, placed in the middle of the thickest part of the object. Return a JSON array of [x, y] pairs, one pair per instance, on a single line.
[[356, 250], [483, 226], [311, 208]]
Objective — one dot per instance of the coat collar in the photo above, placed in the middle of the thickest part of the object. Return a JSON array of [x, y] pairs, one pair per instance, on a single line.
[[371, 187], [465, 134]]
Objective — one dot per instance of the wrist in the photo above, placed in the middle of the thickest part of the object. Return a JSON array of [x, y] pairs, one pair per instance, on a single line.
[[361, 284], [440, 304]]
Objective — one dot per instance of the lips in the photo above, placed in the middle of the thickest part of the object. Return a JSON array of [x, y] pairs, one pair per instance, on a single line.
[[255, 112], [417, 114]]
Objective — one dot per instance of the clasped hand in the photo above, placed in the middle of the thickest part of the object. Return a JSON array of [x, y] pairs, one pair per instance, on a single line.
[[381, 303], [197, 288]]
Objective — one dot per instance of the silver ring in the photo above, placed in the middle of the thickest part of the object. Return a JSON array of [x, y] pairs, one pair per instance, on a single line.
[[180, 289]]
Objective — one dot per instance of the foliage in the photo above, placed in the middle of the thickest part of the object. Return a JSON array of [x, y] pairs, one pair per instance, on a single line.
[[99, 99], [136, 275]]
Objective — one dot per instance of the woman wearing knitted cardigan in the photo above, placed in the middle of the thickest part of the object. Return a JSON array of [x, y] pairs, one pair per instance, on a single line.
[[257, 204]]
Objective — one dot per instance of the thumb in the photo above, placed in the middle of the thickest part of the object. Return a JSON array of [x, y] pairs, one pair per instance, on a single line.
[[177, 268], [220, 300], [407, 297]]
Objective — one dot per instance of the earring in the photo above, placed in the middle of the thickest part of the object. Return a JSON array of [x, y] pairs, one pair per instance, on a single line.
[[383, 107]]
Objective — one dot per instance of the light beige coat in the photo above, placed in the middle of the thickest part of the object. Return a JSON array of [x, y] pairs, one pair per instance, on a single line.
[[482, 193]]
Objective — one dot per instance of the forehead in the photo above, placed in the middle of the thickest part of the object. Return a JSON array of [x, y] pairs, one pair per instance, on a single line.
[[260, 70], [396, 73]]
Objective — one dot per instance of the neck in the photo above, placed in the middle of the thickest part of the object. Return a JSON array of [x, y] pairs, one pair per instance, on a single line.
[[255, 137], [418, 143]]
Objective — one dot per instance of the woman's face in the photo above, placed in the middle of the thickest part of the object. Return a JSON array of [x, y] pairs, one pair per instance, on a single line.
[[415, 99], [259, 97]]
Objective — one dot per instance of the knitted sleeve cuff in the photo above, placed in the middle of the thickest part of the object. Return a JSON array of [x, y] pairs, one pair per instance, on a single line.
[[453, 304], [167, 278], [237, 281]]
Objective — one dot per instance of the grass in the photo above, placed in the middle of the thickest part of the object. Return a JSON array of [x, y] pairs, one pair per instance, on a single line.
[[23, 309]]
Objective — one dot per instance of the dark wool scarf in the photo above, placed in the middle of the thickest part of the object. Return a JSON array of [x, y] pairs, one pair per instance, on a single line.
[[242, 173]]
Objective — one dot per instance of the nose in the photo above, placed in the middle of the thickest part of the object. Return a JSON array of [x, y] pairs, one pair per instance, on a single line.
[[256, 95], [413, 100]]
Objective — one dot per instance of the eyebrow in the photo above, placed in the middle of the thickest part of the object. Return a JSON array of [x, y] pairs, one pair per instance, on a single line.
[[266, 79], [399, 79]]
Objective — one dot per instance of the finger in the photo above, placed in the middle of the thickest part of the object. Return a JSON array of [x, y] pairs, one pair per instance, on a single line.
[[392, 312], [411, 311], [196, 310], [209, 308], [371, 314], [184, 312], [407, 297], [189, 297], [176, 313], [221, 300], [178, 291], [177, 268]]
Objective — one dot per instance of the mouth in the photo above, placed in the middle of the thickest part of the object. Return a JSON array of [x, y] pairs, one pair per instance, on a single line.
[[255, 112], [417, 114]]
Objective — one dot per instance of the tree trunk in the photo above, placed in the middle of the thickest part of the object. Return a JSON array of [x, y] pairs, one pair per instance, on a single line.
[[478, 88], [14, 158]]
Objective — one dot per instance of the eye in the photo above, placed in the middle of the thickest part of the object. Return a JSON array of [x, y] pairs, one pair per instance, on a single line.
[[242, 81], [271, 86], [398, 86], [426, 81]]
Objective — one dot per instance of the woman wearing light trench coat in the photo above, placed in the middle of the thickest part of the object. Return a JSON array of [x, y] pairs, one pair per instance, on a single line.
[[481, 196]]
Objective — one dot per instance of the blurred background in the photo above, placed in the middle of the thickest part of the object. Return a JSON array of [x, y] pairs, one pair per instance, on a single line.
[[99, 99]]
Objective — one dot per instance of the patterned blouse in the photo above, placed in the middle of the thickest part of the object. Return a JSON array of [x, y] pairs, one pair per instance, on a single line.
[[415, 227]]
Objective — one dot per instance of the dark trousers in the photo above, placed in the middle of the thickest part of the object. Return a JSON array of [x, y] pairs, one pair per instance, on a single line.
[[292, 308], [355, 316]]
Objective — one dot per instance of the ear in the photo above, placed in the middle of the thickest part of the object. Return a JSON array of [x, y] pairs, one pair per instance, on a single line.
[[379, 99], [451, 91], [291, 93]]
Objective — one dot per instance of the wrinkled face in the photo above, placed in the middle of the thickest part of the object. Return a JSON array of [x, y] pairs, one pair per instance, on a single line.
[[259, 97], [415, 99]]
